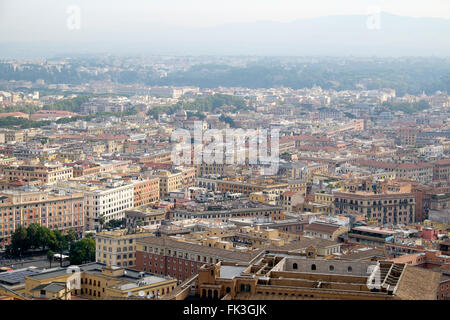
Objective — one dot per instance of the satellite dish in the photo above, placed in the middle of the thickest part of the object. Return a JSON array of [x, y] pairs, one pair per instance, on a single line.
[[141, 294]]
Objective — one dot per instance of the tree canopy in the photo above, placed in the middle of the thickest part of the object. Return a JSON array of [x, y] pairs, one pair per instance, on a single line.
[[82, 251]]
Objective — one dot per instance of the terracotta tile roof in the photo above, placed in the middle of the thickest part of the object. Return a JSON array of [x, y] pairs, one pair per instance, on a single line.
[[443, 161], [360, 255], [224, 254], [15, 114], [418, 284], [321, 227], [304, 243]]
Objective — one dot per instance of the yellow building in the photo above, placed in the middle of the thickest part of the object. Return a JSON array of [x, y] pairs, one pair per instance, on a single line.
[[257, 197], [169, 181], [323, 197], [297, 186], [117, 248], [314, 207], [7, 294], [96, 281], [47, 173]]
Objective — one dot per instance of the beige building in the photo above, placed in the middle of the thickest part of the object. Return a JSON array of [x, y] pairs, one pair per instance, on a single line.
[[323, 197], [47, 173], [96, 281], [146, 191], [169, 181], [117, 248], [289, 199], [144, 216], [13, 135], [385, 208], [325, 231]]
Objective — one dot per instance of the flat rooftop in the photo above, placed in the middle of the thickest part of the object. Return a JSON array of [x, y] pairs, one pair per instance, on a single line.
[[229, 272], [15, 277], [375, 230]]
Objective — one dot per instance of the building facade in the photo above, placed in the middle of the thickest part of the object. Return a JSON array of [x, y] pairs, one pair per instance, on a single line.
[[56, 211]]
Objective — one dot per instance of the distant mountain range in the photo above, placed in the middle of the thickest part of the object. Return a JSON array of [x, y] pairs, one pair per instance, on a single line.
[[356, 35]]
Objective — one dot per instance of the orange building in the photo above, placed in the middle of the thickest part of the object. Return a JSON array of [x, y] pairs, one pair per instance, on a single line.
[[146, 191], [54, 211]]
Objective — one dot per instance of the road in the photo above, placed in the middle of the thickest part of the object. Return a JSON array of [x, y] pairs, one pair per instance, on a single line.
[[38, 261]]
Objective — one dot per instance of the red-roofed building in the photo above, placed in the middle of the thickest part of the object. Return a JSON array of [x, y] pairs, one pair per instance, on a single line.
[[15, 115], [441, 170], [51, 115]]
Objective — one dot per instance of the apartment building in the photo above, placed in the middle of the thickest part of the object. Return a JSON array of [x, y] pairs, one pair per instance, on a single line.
[[243, 187], [145, 191], [372, 236], [80, 170], [249, 210], [441, 170], [207, 169], [169, 181], [407, 136], [383, 208], [144, 216], [323, 197], [188, 176], [118, 247], [289, 199], [13, 135], [23, 206], [175, 179], [297, 186], [421, 172], [107, 199], [181, 260], [47, 173]]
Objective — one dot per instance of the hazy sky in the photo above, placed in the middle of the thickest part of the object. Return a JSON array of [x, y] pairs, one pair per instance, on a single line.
[[46, 20]]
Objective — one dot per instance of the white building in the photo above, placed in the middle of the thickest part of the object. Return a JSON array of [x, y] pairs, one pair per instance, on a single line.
[[432, 151], [108, 200]]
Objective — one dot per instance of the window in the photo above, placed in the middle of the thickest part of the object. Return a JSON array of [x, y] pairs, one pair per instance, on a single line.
[[331, 268], [313, 267], [295, 266], [349, 269]]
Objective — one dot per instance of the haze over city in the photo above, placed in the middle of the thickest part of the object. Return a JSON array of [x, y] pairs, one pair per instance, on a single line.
[[254, 27], [224, 159]]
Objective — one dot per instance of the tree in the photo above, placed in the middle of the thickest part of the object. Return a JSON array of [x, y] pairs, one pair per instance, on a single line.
[[116, 223], [33, 235], [228, 120], [71, 236], [101, 221], [47, 238], [82, 251], [89, 235], [60, 244], [50, 255], [19, 241]]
